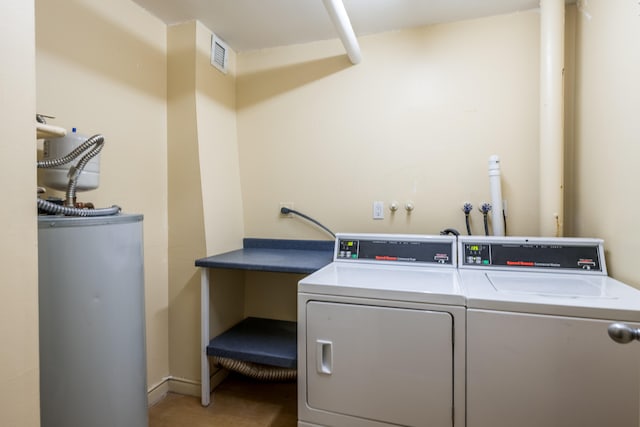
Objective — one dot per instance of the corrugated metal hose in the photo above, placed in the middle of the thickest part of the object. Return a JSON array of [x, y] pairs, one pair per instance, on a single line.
[[95, 144], [256, 370]]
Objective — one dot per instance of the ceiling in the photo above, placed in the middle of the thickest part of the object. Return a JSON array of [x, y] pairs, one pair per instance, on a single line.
[[247, 25]]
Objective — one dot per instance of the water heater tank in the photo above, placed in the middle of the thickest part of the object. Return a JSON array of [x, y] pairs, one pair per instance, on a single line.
[[57, 177], [92, 323]]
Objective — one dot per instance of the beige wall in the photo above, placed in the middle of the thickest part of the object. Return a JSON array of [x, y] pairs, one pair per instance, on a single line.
[[220, 183], [205, 208], [186, 223], [19, 371], [416, 120], [218, 148], [101, 67], [607, 130]]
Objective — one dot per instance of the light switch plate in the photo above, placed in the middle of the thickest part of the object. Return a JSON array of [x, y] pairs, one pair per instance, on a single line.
[[378, 210]]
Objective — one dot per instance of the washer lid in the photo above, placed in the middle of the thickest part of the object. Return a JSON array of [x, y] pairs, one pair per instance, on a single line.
[[399, 283], [552, 286], [562, 294]]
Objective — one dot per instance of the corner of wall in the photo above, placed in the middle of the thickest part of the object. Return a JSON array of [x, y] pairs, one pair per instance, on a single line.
[[19, 366], [205, 205], [186, 219]]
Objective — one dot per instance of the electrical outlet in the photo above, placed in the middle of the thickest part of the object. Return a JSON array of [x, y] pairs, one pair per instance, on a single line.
[[288, 205], [378, 210]]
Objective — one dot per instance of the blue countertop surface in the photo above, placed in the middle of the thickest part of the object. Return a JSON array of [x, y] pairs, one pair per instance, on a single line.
[[278, 255]]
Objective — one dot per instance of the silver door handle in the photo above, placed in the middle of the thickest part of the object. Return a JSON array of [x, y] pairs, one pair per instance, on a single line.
[[621, 333]]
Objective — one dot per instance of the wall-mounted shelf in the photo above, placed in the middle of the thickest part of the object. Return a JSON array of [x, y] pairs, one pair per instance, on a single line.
[[265, 341], [285, 256]]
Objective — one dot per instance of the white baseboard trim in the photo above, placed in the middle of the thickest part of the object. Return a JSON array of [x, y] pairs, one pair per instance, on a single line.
[[183, 386], [158, 392], [218, 376]]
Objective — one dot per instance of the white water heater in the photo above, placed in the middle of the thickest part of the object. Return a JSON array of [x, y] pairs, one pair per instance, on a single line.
[[57, 177]]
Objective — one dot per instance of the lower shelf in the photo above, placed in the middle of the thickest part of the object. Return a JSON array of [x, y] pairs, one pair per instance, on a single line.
[[265, 341]]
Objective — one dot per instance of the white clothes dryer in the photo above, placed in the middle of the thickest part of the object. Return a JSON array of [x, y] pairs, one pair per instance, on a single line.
[[381, 335], [538, 352]]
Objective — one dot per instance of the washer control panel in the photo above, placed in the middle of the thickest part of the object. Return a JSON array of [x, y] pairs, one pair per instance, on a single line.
[[396, 249], [532, 253]]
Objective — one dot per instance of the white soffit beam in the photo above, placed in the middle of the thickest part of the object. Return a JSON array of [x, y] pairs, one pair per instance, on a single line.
[[341, 21]]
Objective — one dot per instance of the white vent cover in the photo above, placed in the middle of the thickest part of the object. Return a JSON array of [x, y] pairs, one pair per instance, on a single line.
[[219, 53]]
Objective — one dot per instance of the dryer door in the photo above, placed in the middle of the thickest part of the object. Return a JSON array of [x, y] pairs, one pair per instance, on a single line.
[[531, 370], [385, 364]]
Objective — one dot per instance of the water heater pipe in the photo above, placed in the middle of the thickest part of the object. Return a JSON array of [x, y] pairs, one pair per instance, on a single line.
[[551, 167], [341, 21], [92, 146], [496, 195]]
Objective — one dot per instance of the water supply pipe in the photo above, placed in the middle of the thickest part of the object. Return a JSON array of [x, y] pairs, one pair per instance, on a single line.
[[341, 21], [551, 167], [496, 196]]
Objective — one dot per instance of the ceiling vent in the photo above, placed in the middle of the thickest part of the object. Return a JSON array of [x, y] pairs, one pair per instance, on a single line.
[[219, 53]]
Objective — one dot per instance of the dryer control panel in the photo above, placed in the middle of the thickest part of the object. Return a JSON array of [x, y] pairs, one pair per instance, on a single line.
[[396, 249], [533, 253]]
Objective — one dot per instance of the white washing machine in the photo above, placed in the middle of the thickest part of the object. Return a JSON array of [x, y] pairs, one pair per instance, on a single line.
[[381, 335], [538, 352]]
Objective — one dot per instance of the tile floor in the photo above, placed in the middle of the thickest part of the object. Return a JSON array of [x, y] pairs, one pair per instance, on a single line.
[[237, 402]]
